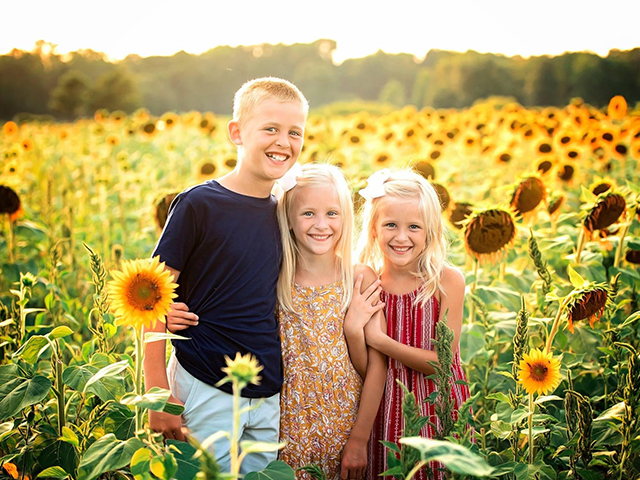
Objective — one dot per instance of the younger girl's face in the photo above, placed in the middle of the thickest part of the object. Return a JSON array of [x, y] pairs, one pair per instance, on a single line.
[[400, 231], [316, 220]]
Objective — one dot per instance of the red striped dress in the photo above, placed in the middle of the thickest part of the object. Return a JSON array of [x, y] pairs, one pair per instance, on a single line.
[[414, 326]]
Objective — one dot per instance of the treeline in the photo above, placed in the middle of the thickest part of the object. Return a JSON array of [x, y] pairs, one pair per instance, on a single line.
[[44, 83]]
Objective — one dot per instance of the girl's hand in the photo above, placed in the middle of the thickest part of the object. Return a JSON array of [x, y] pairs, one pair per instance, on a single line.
[[354, 460], [375, 330], [180, 318], [363, 304]]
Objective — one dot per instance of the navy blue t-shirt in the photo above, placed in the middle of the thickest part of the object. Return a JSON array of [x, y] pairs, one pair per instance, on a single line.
[[227, 249]]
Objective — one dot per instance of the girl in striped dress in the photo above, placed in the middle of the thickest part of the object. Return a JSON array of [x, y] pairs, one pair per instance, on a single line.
[[403, 240]]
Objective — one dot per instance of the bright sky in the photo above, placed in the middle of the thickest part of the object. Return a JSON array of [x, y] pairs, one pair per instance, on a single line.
[[163, 27]]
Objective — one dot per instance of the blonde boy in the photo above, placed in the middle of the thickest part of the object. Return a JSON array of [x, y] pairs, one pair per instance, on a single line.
[[222, 244]]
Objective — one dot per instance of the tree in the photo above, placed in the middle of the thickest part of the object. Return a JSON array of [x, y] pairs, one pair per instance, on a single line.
[[70, 96], [115, 90], [393, 93]]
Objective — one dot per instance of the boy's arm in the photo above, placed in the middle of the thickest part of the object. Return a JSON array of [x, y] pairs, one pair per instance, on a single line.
[[155, 375], [354, 455]]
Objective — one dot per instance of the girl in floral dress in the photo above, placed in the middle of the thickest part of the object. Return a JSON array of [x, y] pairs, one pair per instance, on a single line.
[[327, 411], [403, 239]]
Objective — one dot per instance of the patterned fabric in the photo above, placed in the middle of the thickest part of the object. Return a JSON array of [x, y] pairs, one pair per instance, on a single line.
[[415, 326], [321, 390]]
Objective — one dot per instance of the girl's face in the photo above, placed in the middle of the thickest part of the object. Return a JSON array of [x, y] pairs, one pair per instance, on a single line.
[[316, 220], [400, 232]]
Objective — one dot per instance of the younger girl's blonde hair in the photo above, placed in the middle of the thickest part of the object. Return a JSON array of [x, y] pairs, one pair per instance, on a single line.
[[316, 175], [405, 185]]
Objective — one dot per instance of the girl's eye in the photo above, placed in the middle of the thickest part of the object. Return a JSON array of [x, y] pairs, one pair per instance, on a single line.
[[414, 227], [390, 225], [297, 134], [271, 129], [333, 213], [307, 214]]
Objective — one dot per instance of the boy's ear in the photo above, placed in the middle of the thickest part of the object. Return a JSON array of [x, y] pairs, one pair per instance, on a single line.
[[234, 132]]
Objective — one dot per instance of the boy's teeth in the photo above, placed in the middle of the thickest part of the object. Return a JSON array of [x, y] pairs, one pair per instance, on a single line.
[[279, 158]]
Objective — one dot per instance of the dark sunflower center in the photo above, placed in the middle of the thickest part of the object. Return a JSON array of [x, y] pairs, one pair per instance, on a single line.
[[489, 232], [142, 293], [435, 155], [528, 195], [590, 303], [9, 200], [605, 213], [544, 148], [207, 169], [621, 149], [538, 371]]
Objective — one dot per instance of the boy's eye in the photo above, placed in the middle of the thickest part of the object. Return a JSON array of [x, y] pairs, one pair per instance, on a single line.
[[271, 129], [297, 134], [390, 225]]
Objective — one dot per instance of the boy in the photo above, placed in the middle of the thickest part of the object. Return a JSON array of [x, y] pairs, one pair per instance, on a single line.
[[222, 245]]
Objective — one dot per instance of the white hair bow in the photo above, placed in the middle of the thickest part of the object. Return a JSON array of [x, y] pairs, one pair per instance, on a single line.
[[375, 185], [289, 179]]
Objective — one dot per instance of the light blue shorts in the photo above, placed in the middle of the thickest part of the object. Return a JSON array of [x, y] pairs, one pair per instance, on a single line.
[[208, 410]]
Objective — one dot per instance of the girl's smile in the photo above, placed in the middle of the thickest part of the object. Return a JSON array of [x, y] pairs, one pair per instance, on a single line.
[[400, 232]]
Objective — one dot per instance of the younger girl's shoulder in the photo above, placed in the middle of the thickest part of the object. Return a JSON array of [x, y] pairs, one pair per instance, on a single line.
[[452, 279], [368, 275]]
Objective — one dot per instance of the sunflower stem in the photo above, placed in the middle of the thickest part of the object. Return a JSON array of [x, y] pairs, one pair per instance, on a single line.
[[138, 379], [556, 323], [618, 256], [235, 465], [581, 241], [10, 238], [531, 442]]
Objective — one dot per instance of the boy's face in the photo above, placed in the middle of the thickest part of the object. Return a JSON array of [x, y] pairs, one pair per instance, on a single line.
[[271, 138]]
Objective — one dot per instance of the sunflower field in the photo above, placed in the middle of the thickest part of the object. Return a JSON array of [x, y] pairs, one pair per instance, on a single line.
[[542, 212]]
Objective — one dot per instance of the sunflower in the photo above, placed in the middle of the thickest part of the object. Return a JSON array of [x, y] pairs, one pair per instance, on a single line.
[[617, 108], [587, 303], [162, 209], [27, 144], [632, 256], [443, 195], [566, 172], [9, 129], [459, 214], [206, 170], [11, 469], [149, 128], [489, 232], [528, 195], [244, 369], [10, 203], [231, 162], [555, 203], [605, 212], [382, 158], [113, 140], [170, 119], [544, 147], [141, 293], [544, 165], [425, 169], [539, 372], [601, 185]]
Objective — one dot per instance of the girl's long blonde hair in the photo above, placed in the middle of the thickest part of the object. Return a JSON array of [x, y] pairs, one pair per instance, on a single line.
[[316, 175], [406, 184]]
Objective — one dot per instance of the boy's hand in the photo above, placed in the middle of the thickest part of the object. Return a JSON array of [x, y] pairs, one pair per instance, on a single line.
[[354, 460], [179, 317], [363, 304], [169, 425]]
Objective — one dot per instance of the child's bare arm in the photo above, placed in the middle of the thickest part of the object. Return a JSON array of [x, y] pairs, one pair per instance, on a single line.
[[354, 455], [453, 285], [155, 375], [364, 304]]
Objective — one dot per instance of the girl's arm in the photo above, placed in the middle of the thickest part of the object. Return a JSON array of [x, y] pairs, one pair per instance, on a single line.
[[365, 302], [452, 298], [354, 454]]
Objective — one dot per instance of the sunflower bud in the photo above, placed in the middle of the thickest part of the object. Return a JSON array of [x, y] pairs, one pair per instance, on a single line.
[[243, 369]]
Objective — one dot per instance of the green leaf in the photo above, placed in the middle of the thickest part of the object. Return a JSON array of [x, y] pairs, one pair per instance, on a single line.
[[391, 446], [164, 466], [156, 336], [77, 376], [60, 332], [100, 384], [499, 396], [574, 277], [53, 452], [631, 319], [9, 372], [188, 466], [141, 463], [276, 470], [53, 472], [155, 399], [546, 398], [20, 393], [586, 195], [455, 457], [69, 436], [120, 421], [31, 350], [107, 454], [250, 446]]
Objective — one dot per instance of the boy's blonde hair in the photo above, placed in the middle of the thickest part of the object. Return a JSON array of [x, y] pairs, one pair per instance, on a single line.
[[259, 89], [316, 175], [406, 184]]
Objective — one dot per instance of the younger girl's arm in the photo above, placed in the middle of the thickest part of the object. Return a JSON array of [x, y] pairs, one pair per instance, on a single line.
[[452, 298], [364, 304], [354, 454]]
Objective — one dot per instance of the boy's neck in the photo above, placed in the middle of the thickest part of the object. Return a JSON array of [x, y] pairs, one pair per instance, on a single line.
[[245, 184]]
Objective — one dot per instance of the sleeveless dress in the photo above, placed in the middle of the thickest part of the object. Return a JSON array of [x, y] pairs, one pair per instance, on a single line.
[[414, 326], [321, 391]]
